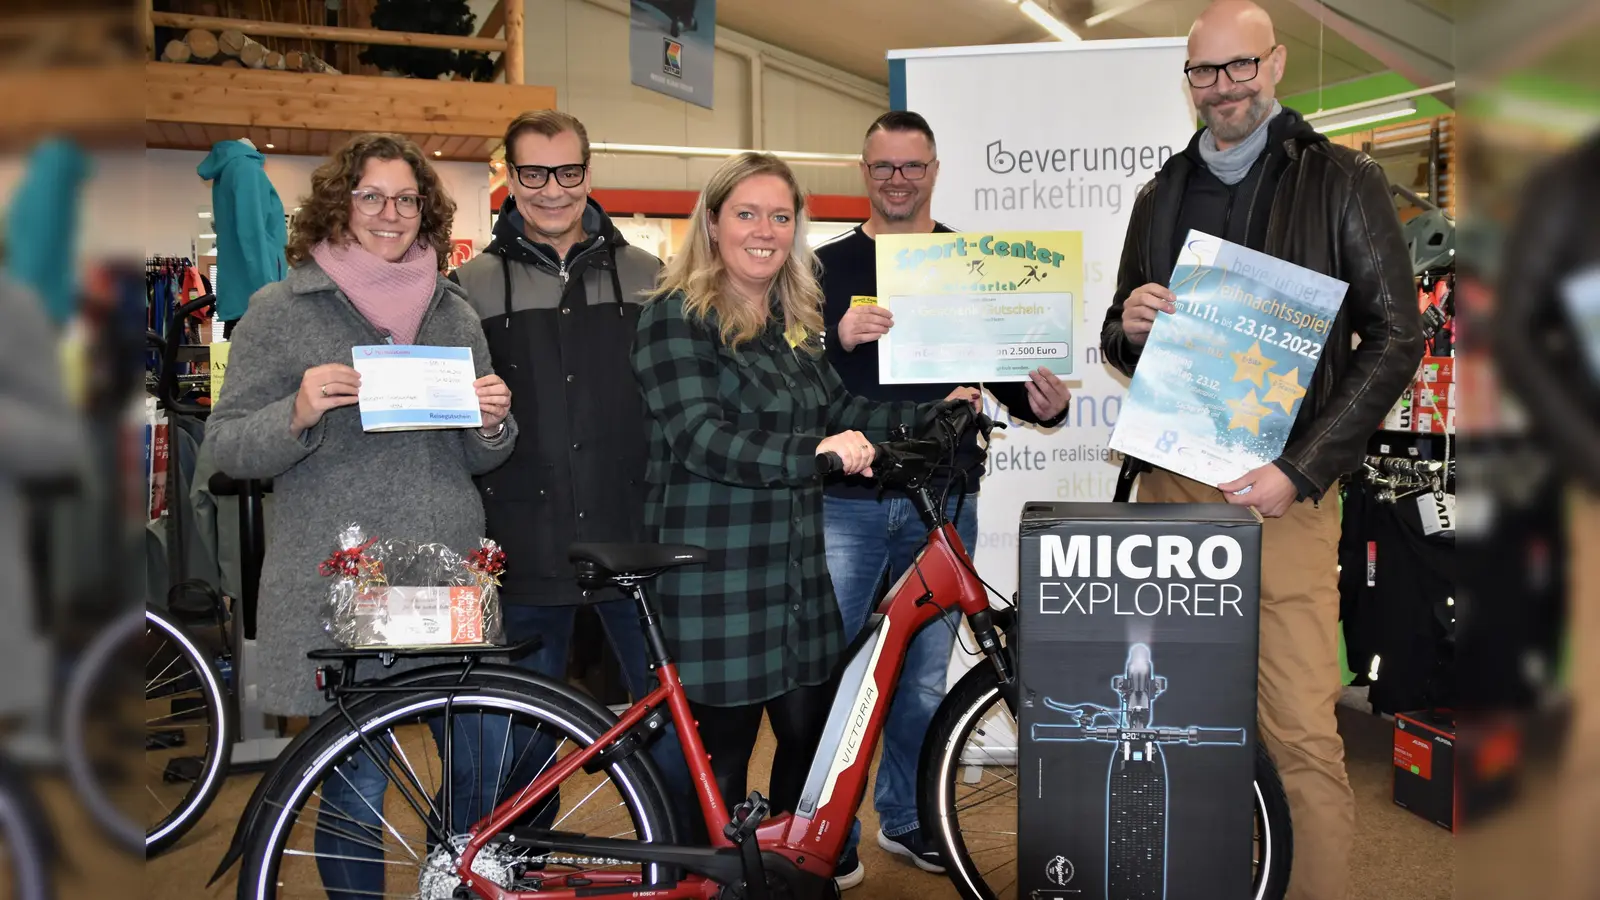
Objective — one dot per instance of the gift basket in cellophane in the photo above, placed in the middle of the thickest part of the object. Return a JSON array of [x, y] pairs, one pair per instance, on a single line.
[[387, 593]]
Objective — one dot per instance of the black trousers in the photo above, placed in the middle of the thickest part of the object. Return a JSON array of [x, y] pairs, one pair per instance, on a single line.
[[729, 734]]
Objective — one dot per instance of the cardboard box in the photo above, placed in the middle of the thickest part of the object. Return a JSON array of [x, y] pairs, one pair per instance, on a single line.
[[1437, 369], [1424, 766], [1434, 421], [1402, 415], [1441, 394], [418, 617], [1136, 648]]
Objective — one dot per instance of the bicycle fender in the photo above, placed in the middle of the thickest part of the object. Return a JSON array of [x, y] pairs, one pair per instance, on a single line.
[[439, 676]]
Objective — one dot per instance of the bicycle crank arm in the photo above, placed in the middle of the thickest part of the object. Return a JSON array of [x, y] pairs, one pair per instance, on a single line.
[[722, 865]]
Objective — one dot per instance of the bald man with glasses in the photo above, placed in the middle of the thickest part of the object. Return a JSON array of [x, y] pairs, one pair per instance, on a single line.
[[1259, 176]]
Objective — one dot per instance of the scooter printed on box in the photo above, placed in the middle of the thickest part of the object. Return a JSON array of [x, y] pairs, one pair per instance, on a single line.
[[1136, 784]]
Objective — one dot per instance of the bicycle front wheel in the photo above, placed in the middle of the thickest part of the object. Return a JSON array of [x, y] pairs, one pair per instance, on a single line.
[[968, 796], [380, 805], [189, 732]]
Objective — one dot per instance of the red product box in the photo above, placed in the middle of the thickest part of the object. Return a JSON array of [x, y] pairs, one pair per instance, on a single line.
[[1437, 369], [1433, 421], [1424, 766], [1429, 394]]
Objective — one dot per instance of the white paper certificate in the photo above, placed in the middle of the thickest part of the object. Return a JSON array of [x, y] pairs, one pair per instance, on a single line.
[[409, 388]]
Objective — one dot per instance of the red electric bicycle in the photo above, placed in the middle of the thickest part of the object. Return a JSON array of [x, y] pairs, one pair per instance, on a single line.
[[567, 804]]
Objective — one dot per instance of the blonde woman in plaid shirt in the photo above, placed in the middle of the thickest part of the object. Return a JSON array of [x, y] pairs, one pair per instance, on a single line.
[[741, 400]]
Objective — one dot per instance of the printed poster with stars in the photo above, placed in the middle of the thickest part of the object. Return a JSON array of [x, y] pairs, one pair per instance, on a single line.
[[979, 307], [1221, 380]]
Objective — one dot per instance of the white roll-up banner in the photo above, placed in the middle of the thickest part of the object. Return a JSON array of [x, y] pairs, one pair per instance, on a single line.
[[1049, 136]]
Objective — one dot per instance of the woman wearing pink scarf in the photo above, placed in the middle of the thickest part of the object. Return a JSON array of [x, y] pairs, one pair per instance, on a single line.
[[366, 249]]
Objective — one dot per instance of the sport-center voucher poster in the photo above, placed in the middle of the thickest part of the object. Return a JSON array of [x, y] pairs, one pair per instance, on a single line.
[[672, 47]]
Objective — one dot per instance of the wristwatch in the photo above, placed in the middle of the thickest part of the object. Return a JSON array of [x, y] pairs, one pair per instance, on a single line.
[[498, 431]]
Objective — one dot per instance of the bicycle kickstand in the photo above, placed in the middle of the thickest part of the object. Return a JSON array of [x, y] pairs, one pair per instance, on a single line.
[[741, 829]]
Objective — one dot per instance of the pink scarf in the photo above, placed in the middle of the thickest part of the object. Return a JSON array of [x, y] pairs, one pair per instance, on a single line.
[[393, 296]]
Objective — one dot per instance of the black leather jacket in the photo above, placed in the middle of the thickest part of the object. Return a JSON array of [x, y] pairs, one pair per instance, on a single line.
[[1331, 213]]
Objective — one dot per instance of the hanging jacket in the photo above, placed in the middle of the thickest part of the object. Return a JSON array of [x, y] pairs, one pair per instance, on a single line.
[[42, 227], [247, 217], [560, 332]]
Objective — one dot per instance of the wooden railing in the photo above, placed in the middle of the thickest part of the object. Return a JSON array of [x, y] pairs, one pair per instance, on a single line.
[[508, 13]]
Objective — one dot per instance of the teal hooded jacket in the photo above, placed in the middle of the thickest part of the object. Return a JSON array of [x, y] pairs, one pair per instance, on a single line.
[[247, 217]]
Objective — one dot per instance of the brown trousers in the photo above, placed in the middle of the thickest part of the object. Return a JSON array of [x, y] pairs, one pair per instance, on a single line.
[[1578, 822], [1299, 680]]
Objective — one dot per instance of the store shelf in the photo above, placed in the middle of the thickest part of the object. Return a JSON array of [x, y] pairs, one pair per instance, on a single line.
[[190, 107]]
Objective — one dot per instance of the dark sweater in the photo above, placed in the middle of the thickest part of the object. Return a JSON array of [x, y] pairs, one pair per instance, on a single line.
[[850, 269]]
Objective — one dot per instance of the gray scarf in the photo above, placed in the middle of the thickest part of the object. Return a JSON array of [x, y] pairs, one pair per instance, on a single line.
[[1231, 165]]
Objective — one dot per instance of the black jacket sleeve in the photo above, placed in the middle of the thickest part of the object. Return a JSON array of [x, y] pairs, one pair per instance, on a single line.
[[1013, 395], [1132, 273], [1382, 305]]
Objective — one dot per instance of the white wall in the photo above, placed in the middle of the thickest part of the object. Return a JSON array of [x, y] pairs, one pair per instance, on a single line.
[[175, 196], [580, 47]]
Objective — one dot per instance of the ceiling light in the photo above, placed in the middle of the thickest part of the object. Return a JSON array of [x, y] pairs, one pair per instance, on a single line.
[[438, 153], [205, 215], [1048, 22], [208, 237], [269, 146], [1365, 116]]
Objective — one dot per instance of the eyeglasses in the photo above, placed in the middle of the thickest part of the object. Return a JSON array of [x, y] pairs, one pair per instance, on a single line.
[[409, 206], [1239, 71], [569, 176], [882, 171]]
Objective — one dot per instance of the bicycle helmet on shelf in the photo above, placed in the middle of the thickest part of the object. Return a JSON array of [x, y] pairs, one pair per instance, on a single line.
[[1431, 238]]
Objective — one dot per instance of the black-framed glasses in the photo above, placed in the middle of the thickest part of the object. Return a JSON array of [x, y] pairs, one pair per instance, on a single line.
[[535, 177], [1239, 71], [883, 171], [371, 202]]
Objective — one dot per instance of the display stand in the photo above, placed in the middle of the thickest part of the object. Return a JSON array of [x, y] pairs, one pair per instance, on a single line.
[[257, 743]]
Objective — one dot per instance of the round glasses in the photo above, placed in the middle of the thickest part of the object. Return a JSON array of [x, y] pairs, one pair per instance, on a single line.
[[882, 171], [409, 206], [568, 176], [1239, 71]]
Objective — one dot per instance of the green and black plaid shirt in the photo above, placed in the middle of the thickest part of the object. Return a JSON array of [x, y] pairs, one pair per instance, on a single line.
[[733, 438]]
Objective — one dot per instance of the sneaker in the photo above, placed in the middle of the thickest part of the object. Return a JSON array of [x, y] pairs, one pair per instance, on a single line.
[[911, 846], [849, 871]]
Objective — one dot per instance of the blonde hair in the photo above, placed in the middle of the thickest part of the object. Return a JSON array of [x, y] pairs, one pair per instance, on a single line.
[[698, 273]]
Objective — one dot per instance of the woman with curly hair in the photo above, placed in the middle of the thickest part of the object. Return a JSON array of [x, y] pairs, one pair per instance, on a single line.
[[366, 250]]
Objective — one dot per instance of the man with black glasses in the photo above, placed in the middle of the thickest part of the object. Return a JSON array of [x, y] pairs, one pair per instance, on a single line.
[[1259, 176], [868, 539], [559, 291]]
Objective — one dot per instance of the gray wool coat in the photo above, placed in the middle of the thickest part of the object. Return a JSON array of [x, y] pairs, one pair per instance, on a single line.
[[414, 485]]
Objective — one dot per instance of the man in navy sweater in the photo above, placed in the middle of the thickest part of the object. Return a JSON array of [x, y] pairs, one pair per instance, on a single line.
[[869, 540]]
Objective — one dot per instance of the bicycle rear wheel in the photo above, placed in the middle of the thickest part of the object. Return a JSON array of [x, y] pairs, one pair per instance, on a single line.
[[374, 807], [968, 796]]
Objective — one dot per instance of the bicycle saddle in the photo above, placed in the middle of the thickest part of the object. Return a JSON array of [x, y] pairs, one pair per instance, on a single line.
[[598, 563]]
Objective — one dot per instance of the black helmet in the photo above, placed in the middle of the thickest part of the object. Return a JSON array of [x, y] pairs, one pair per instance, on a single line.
[[1431, 238]]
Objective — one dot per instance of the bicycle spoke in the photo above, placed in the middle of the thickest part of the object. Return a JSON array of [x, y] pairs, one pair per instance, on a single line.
[[391, 829]]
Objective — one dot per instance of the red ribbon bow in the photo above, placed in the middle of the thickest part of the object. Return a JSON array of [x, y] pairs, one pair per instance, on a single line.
[[491, 563], [345, 562]]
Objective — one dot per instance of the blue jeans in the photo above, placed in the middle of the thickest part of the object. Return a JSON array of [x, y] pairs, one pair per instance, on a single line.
[[620, 620], [866, 540], [349, 827]]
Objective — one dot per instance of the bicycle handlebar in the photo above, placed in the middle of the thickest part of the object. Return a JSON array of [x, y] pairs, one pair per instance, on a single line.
[[941, 432]]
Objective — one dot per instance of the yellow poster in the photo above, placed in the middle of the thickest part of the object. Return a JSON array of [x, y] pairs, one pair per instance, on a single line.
[[979, 307], [219, 368]]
